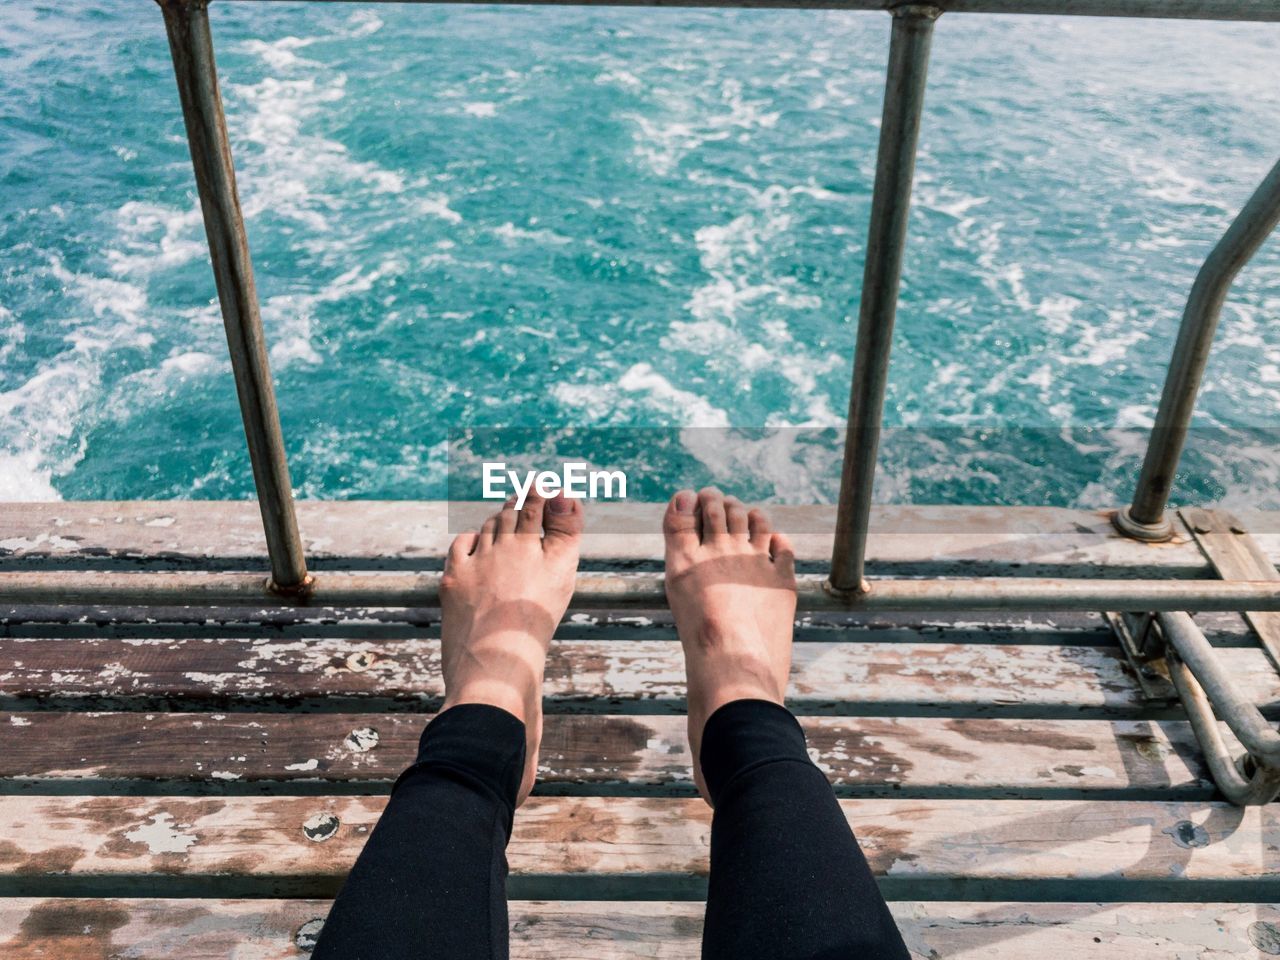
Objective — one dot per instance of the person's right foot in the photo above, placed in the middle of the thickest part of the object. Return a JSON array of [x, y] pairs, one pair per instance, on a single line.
[[731, 586]]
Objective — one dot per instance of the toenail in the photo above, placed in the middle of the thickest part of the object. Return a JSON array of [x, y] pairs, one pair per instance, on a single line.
[[560, 505], [684, 502]]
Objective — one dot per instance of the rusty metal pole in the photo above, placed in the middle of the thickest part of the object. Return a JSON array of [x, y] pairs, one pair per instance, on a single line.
[[1145, 519], [191, 44], [887, 234]]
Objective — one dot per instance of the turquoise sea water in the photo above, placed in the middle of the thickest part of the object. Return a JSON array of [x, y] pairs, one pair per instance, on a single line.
[[560, 218]]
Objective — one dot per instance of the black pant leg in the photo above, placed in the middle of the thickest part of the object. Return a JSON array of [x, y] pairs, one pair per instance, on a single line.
[[431, 881], [788, 881]]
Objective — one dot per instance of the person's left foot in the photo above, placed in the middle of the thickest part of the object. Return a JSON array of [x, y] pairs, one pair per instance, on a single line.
[[503, 592]]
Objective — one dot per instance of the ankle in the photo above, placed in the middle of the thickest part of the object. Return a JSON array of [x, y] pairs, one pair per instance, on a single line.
[[494, 692], [744, 734]]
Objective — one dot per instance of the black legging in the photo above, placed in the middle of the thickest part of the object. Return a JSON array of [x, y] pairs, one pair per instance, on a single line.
[[788, 881]]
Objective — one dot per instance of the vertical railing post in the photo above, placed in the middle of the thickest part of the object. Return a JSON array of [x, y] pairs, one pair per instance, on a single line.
[[887, 234], [1145, 518], [191, 44]]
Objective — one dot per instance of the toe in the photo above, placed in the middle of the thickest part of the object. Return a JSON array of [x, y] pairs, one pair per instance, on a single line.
[[562, 520], [735, 515], [760, 528], [783, 554], [464, 544], [530, 518], [488, 531], [711, 511], [508, 517], [680, 522]]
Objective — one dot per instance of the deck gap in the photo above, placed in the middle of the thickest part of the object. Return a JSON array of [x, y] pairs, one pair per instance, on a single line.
[[40, 703], [124, 787], [609, 887]]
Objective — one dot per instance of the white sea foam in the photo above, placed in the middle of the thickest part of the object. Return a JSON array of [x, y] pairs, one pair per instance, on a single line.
[[281, 54], [189, 363], [155, 236], [1161, 179], [291, 317], [363, 23], [1058, 313], [511, 233], [687, 408], [44, 417], [12, 334], [621, 78], [438, 206], [290, 170], [733, 255], [683, 124], [595, 403]]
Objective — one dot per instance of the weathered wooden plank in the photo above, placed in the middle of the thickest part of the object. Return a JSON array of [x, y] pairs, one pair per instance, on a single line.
[[1235, 555], [567, 930], [371, 534], [305, 845], [329, 674], [1069, 626], [84, 752]]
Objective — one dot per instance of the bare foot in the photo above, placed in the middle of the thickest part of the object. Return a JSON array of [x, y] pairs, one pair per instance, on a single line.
[[504, 591], [731, 585]]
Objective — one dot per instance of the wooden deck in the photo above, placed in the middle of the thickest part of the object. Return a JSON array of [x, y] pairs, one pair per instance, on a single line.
[[197, 787]]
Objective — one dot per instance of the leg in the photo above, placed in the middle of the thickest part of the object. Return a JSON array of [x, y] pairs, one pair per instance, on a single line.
[[788, 881], [431, 881]]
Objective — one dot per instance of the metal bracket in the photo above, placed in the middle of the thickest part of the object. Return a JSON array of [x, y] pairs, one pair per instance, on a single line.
[[1157, 532], [1143, 646]]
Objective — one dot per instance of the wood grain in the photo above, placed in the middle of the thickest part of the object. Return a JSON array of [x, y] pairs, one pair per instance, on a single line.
[[566, 930], [623, 754]]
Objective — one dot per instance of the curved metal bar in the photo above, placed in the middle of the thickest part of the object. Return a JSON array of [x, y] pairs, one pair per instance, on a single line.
[[1206, 691], [1262, 786], [1145, 518]]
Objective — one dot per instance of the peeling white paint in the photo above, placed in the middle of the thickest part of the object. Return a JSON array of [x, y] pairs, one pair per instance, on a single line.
[[361, 740], [23, 544], [161, 835], [306, 765]]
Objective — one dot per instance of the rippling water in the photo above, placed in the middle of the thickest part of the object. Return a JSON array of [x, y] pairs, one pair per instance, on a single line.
[[559, 218]]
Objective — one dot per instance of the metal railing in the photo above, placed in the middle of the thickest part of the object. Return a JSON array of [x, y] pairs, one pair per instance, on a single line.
[[191, 45], [1200, 682]]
